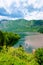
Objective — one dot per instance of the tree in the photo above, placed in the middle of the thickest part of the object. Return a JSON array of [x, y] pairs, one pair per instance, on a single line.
[[8, 38], [1, 38], [39, 56], [40, 30], [11, 39]]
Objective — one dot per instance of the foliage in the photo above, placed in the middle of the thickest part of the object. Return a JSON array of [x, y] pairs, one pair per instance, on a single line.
[[16, 56], [1, 38], [33, 62], [8, 38], [40, 30], [39, 56]]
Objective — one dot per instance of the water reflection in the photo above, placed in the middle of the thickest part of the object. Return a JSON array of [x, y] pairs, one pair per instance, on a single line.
[[24, 41]]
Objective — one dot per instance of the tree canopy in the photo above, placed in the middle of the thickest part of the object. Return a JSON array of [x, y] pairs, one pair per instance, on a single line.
[[8, 38]]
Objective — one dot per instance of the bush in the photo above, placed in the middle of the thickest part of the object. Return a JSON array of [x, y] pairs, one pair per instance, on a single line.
[[39, 55], [8, 38], [1, 38], [11, 39], [17, 56], [6, 57], [33, 62], [40, 30]]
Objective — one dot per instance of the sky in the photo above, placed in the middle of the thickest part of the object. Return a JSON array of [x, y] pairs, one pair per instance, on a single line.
[[26, 9]]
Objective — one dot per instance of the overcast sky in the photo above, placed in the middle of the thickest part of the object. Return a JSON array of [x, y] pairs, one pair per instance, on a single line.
[[27, 9]]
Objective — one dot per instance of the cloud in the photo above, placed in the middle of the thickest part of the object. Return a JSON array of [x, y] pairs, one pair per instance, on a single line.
[[36, 3], [34, 15], [6, 17], [8, 5], [28, 9], [1, 3]]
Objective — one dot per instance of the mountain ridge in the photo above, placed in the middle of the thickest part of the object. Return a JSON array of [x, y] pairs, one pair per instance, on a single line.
[[21, 25]]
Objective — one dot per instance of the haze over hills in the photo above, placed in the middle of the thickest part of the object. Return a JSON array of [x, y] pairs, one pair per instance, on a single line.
[[21, 25]]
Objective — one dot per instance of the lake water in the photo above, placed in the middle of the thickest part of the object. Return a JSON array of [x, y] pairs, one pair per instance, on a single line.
[[30, 40]]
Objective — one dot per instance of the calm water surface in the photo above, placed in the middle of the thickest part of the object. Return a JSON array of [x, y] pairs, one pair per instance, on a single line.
[[30, 40]]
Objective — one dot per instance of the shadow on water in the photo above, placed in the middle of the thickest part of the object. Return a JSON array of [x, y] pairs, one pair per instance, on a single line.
[[21, 41]]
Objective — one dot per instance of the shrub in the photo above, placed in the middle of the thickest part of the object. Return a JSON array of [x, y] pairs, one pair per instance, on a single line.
[[8, 38], [40, 30], [1, 38], [11, 39], [39, 55]]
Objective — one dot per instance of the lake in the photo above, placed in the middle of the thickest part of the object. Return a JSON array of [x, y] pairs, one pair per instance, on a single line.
[[30, 40]]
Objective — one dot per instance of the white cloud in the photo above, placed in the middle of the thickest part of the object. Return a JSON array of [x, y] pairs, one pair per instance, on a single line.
[[31, 2], [35, 3], [1, 3], [7, 4], [38, 4], [9, 18], [34, 15], [21, 5]]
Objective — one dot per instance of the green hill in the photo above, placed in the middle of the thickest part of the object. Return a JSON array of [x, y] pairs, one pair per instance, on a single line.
[[21, 25]]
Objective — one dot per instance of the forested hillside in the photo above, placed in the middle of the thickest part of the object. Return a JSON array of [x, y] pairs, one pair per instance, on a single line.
[[21, 25]]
